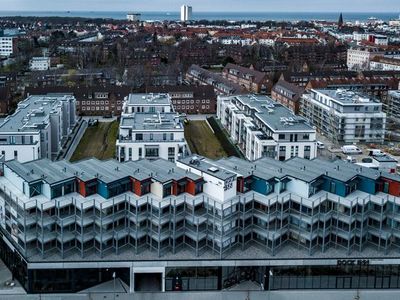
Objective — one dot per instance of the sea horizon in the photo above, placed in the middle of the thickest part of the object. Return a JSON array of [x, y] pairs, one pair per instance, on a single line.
[[212, 16]]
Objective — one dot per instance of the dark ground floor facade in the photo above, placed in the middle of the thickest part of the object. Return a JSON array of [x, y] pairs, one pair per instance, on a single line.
[[203, 275]]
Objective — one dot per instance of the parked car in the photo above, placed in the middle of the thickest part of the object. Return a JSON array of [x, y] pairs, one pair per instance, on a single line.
[[351, 149], [320, 145]]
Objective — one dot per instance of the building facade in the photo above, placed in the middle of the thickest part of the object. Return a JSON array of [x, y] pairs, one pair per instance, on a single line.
[[252, 80], [346, 116], [393, 111], [186, 13], [222, 86], [385, 64], [199, 224], [190, 99], [262, 127], [38, 128], [39, 63], [150, 129], [288, 95], [7, 44], [95, 100]]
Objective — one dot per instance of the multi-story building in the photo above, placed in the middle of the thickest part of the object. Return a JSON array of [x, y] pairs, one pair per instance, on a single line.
[[38, 128], [252, 80], [189, 99], [39, 63], [150, 129], [262, 127], [5, 101], [373, 87], [288, 95], [7, 43], [95, 100], [385, 64], [186, 13], [393, 111], [133, 17], [346, 116], [359, 57], [200, 225], [221, 85]]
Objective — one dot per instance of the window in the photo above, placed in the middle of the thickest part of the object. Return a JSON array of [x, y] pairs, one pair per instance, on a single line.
[[164, 136], [281, 136], [140, 153], [15, 154], [139, 136], [152, 152], [151, 136]]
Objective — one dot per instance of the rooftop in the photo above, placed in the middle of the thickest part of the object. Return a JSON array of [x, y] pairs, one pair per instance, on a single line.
[[346, 97], [33, 113], [152, 121], [148, 99], [208, 167], [273, 114]]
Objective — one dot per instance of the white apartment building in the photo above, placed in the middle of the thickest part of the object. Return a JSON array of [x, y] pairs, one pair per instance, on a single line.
[[345, 116], [6, 45], [133, 17], [38, 127], [39, 63], [393, 110], [358, 58], [385, 64], [150, 129], [186, 13], [262, 127]]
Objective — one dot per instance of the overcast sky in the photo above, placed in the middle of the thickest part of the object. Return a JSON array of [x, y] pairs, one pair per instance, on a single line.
[[206, 5]]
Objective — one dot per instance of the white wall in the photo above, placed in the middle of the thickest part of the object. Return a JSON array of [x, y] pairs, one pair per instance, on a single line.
[[156, 188]]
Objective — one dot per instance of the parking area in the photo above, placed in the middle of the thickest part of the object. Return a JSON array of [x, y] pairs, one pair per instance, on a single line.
[[333, 151]]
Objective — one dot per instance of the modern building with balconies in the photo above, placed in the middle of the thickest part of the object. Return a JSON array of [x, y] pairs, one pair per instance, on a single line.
[[200, 225], [150, 129], [262, 127], [345, 116], [38, 128]]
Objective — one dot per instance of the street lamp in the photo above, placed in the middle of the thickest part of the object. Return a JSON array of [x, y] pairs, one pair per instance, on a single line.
[[114, 275], [269, 283]]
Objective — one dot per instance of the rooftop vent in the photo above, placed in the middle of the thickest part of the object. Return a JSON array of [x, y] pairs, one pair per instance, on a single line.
[[213, 169]]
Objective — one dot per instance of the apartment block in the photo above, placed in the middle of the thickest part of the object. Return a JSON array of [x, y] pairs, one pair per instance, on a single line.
[[150, 129], [39, 63], [262, 127], [95, 100], [198, 224], [288, 95], [189, 99], [38, 128], [345, 116], [252, 80], [221, 85]]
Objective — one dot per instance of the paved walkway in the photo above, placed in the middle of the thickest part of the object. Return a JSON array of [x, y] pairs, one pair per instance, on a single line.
[[76, 140], [5, 276]]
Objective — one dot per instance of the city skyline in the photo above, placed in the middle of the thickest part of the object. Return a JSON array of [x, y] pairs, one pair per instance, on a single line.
[[217, 6]]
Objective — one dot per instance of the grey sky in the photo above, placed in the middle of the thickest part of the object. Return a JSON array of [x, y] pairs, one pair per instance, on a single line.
[[206, 5]]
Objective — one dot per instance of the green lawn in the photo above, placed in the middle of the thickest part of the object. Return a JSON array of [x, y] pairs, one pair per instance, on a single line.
[[98, 141], [202, 141]]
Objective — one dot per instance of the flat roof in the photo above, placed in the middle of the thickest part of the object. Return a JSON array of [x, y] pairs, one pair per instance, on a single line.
[[346, 97], [148, 99], [208, 167], [33, 113], [273, 114], [152, 121]]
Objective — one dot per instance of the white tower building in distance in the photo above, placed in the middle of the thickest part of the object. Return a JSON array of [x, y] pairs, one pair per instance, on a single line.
[[186, 13]]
